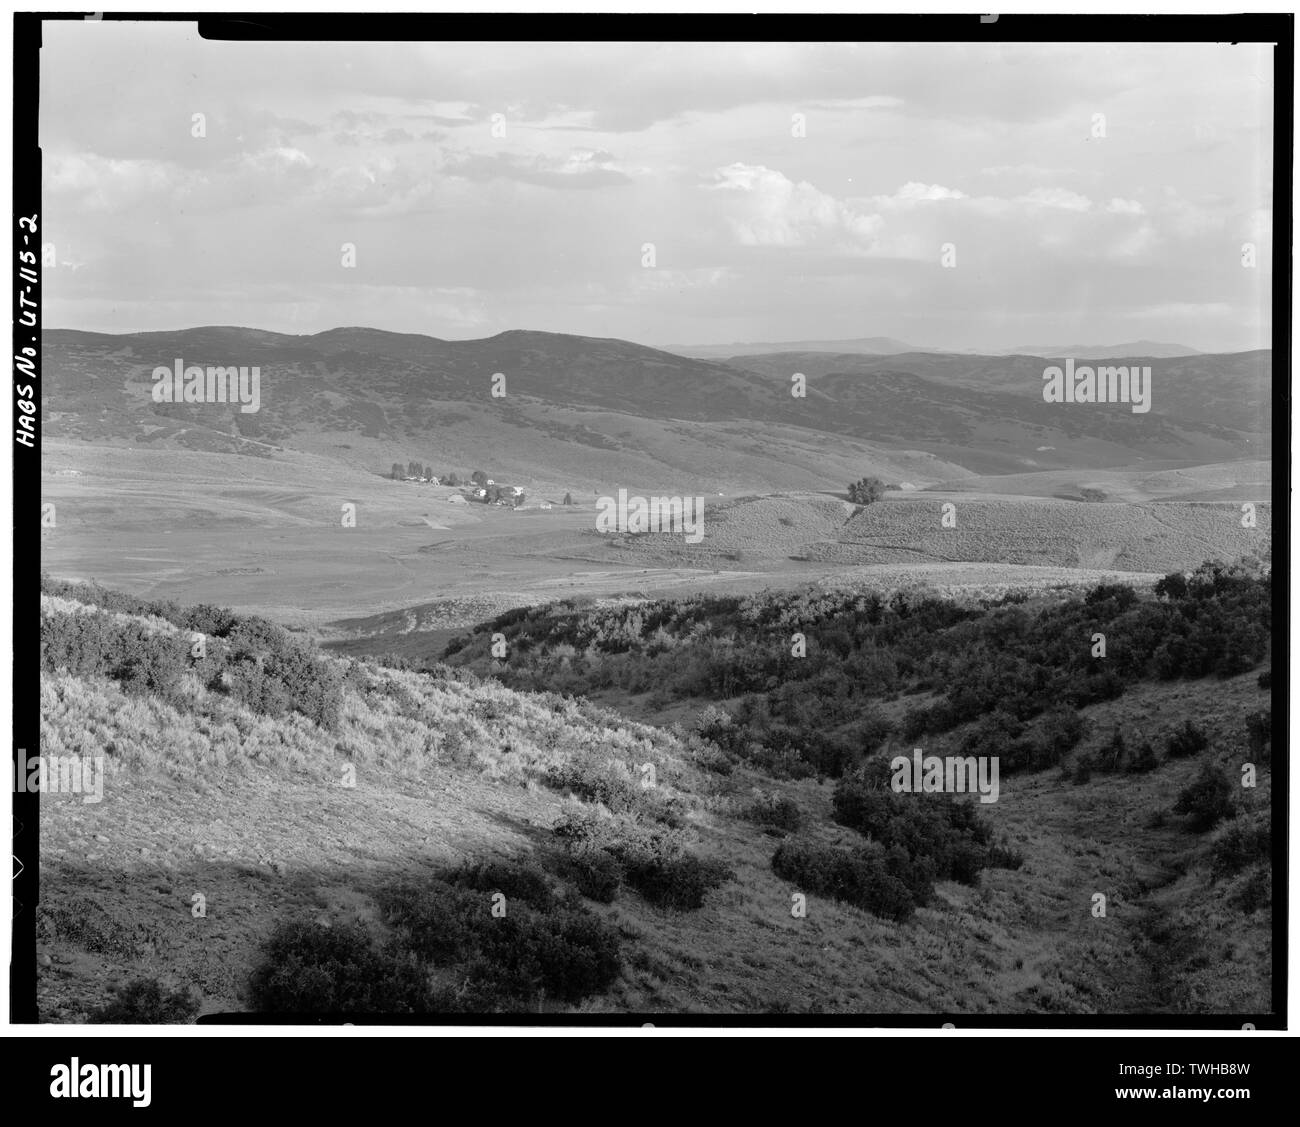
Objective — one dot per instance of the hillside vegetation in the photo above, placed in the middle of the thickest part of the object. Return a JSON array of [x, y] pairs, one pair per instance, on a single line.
[[610, 409], [287, 831], [819, 679]]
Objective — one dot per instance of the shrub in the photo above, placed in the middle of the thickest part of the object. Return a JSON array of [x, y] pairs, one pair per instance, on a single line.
[[1240, 845], [1255, 894], [437, 922], [1036, 747], [861, 877], [1083, 767], [1121, 595], [272, 674], [505, 963], [707, 755], [314, 685], [517, 880], [610, 783], [774, 812], [246, 680], [1265, 679], [716, 724], [83, 922], [566, 954], [310, 968], [674, 881], [1207, 800], [216, 622], [1114, 754], [937, 833], [140, 660], [1186, 741], [259, 663], [258, 635], [1004, 857], [1259, 735], [655, 861], [597, 874], [144, 1001], [1172, 586], [1143, 759]]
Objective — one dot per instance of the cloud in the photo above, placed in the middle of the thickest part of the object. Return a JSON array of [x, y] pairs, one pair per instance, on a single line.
[[580, 169], [97, 183], [766, 208], [913, 190], [1061, 198], [908, 147]]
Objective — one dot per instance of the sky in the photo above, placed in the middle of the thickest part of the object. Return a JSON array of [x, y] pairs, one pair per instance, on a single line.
[[953, 196]]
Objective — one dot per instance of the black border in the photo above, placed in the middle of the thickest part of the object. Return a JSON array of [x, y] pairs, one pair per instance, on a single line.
[[1277, 29], [26, 517]]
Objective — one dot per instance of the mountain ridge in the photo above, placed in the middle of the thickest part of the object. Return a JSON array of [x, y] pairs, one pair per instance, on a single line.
[[569, 407]]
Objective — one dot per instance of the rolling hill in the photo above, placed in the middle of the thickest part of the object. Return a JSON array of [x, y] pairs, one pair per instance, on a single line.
[[871, 346], [338, 798], [597, 407]]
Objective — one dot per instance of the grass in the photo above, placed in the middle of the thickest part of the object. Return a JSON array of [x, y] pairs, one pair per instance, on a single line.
[[206, 795]]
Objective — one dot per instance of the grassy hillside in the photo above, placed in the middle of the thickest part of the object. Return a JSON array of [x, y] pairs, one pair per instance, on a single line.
[[348, 826], [610, 409]]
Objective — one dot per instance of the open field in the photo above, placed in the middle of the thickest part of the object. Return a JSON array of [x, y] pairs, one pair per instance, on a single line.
[[267, 535]]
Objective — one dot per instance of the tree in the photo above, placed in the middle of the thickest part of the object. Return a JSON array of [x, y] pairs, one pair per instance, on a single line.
[[452, 478], [568, 499], [397, 471], [1208, 799], [866, 491], [1172, 586], [478, 477]]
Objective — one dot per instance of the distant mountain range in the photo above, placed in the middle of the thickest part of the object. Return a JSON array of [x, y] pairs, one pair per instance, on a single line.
[[1143, 348], [602, 410], [870, 346], [889, 346]]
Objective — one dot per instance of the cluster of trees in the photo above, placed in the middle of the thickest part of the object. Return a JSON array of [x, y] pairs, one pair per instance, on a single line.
[[417, 470], [1019, 671], [867, 490]]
